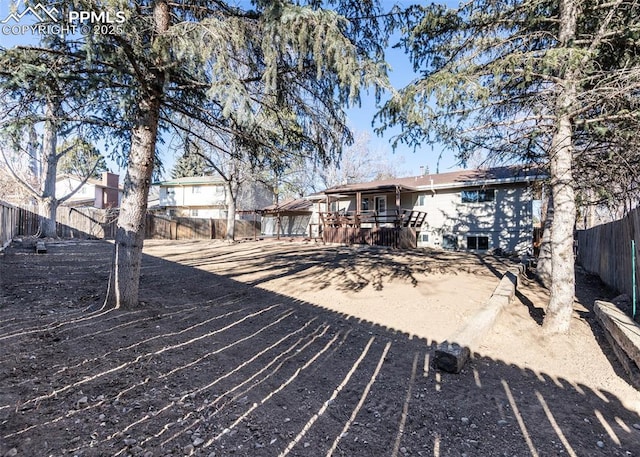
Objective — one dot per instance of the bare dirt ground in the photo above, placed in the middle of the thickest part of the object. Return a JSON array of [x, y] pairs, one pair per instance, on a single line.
[[275, 349]]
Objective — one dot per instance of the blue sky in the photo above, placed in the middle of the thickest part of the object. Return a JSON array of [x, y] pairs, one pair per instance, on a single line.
[[407, 162]]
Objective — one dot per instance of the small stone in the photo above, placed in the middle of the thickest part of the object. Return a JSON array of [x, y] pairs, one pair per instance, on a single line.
[[636, 426], [287, 419], [198, 442], [148, 454], [102, 417], [11, 452], [82, 402], [464, 420], [273, 440], [306, 444], [403, 450], [189, 449], [502, 422], [130, 441], [600, 444]]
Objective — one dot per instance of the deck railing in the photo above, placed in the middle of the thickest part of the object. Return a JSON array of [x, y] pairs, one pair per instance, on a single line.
[[394, 218]]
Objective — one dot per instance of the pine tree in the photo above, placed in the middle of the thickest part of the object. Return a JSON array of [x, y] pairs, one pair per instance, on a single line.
[[522, 80], [191, 163], [275, 78], [40, 90]]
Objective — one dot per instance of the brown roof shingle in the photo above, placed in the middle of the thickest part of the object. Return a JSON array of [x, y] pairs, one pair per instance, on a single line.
[[452, 179]]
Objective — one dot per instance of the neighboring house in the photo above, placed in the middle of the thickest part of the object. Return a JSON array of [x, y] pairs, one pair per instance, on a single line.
[[104, 193], [471, 209], [205, 197], [290, 218]]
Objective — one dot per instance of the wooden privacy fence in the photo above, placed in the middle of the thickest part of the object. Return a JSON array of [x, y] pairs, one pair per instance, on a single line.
[[605, 250], [96, 223], [402, 238], [71, 222], [8, 223], [86, 223], [185, 228]]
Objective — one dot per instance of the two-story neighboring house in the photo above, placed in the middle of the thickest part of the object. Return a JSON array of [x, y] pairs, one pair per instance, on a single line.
[[205, 197], [469, 209], [104, 193]]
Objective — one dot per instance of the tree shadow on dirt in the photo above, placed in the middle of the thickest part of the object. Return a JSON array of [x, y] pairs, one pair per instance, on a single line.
[[339, 267], [212, 366]]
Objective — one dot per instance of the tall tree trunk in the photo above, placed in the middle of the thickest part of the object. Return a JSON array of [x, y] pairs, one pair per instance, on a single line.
[[47, 210], [544, 267], [47, 203], [560, 309], [124, 280], [230, 197]]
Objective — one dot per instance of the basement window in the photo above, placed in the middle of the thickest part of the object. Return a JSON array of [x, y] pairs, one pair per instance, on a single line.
[[480, 243]]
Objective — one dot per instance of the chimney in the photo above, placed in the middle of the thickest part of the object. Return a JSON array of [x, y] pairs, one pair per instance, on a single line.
[[110, 179]]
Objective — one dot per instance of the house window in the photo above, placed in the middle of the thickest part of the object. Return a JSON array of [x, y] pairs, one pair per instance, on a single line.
[[422, 200], [478, 196], [381, 204], [196, 190], [424, 237], [193, 213], [480, 243], [364, 206]]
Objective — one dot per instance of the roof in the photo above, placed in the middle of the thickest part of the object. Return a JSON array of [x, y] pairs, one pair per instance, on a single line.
[[298, 205], [193, 181], [454, 179]]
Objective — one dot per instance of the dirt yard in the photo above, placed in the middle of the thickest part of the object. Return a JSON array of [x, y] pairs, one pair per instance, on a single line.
[[276, 349]]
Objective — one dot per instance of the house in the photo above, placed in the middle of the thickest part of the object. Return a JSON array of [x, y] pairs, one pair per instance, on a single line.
[[474, 210], [205, 197], [97, 193]]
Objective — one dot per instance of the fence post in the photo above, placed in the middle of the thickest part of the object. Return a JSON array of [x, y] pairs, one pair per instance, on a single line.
[[633, 273]]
